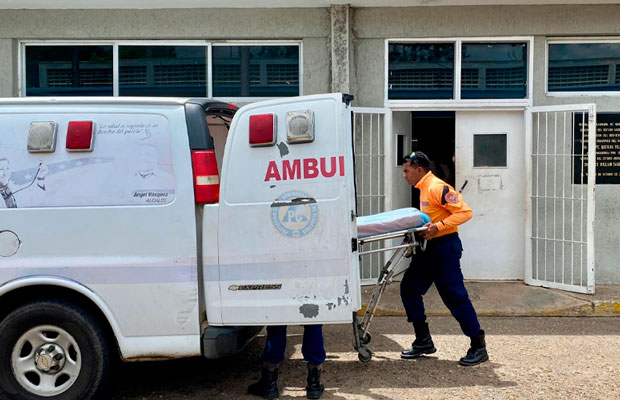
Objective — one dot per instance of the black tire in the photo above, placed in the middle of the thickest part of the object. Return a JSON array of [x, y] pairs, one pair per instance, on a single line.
[[365, 339], [364, 354], [85, 331]]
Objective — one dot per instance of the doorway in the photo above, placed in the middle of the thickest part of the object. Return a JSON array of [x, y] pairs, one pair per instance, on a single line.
[[433, 132], [485, 149]]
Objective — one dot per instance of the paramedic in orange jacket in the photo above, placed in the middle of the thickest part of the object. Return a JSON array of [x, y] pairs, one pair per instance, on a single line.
[[439, 263]]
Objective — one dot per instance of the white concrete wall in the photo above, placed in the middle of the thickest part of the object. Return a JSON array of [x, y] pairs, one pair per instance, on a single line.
[[8, 76], [371, 26]]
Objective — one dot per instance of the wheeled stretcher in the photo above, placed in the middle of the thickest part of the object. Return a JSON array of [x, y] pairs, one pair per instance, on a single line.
[[402, 224]]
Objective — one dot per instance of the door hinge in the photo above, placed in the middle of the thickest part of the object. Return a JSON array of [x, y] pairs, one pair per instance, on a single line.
[[354, 245]]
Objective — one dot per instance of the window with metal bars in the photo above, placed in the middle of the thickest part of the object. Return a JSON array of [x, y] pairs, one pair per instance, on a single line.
[[420, 70], [501, 70], [583, 67]]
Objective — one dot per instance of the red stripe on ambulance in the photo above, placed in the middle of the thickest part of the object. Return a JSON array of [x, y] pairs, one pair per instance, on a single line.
[[307, 168]]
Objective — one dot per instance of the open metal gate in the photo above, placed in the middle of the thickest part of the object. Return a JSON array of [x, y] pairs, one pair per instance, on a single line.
[[560, 211], [371, 139]]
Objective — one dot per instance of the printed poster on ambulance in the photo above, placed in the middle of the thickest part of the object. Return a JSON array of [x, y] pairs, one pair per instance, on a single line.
[[131, 164]]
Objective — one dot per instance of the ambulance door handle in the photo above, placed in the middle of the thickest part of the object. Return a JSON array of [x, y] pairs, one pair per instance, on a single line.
[[293, 202]]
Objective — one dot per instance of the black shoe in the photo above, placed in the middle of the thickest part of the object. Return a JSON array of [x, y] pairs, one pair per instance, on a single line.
[[477, 353], [315, 388], [423, 343], [267, 385], [419, 347]]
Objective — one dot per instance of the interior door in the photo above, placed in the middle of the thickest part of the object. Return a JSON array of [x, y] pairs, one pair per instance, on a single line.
[[559, 250], [489, 156], [287, 224]]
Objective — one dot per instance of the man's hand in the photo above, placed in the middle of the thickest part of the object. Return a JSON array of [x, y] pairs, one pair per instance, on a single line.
[[430, 232]]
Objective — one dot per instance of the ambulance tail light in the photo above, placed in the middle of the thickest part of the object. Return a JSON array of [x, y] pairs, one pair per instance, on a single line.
[[206, 176]]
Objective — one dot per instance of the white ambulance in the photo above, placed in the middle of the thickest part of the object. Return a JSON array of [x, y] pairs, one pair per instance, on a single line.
[[165, 228]]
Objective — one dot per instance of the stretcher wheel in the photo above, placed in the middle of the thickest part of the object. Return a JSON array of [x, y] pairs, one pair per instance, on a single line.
[[364, 354], [365, 339]]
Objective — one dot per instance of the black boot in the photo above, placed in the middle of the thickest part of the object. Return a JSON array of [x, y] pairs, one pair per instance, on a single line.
[[477, 353], [267, 385], [423, 343], [315, 388]]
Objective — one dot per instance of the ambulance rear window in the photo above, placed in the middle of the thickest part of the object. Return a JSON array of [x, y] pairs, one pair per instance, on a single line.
[[197, 111]]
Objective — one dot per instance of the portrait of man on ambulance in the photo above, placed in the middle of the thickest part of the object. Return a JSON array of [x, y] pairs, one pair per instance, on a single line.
[[8, 189]]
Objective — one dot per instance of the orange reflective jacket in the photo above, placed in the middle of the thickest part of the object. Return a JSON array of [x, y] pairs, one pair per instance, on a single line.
[[443, 204]]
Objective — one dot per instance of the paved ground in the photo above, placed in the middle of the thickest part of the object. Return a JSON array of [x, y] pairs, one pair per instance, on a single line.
[[531, 358]]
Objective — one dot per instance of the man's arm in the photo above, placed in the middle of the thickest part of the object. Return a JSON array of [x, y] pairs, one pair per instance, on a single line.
[[452, 201]]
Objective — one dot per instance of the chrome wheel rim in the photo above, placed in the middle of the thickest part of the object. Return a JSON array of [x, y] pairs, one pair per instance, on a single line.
[[46, 360]]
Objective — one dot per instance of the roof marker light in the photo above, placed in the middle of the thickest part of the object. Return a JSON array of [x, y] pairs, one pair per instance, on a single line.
[[262, 130], [80, 136], [42, 137]]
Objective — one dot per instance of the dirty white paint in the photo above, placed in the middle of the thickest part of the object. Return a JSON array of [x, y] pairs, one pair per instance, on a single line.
[[488, 183]]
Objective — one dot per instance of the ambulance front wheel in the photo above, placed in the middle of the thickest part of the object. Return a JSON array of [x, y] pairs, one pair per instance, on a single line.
[[52, 350], [364, 354]]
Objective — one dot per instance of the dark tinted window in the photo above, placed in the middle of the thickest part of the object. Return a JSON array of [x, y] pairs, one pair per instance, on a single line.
[[69, 71], [490, 150], [162, 71], [575, 67], [255, 71], [421, 71], [494, 71]]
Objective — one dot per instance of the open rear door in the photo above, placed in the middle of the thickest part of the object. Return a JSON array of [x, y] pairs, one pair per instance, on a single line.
[[287, 229], [560, 193]]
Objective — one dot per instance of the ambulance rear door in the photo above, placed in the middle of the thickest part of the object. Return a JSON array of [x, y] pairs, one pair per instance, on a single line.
[[287, 229]]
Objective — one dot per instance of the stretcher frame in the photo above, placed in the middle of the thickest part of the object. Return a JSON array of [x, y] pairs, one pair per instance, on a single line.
[[408, 247]]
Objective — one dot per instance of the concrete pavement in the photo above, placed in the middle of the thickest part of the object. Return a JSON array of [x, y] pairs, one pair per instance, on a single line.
[[511, 298]]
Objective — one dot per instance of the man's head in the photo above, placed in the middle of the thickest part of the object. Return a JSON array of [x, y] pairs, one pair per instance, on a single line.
[[5, 171], [415, 166]]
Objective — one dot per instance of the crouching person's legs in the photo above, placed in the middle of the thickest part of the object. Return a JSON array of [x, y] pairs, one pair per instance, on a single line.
[[313, 349], [267, 385]]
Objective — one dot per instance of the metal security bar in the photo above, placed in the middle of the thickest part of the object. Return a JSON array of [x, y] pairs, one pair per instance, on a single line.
[[562, 167], [369, 130]]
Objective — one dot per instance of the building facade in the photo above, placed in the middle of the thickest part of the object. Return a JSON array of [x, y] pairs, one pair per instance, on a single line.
[[462, 80]]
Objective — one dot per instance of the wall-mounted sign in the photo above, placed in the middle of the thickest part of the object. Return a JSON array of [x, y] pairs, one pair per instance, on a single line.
[[607, 148]]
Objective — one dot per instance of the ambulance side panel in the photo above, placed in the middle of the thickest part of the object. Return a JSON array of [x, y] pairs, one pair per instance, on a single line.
[[104, 221], [286, 221]]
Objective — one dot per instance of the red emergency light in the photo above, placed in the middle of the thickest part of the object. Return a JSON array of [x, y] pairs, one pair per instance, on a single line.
[[262, 130], [206, 176], [80, 136]]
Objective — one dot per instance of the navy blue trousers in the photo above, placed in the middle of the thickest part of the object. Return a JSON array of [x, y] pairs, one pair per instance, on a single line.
[[439, 264], [312, 346]]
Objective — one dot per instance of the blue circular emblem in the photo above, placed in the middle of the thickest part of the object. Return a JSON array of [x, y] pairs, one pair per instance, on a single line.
[[295, 220]]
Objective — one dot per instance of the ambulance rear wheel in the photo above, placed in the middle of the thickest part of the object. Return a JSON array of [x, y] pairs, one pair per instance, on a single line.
[[52, 350], [364, 354]]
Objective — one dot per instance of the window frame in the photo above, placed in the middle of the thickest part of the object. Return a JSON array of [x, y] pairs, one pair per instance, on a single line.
[[584, 40], [21, 71], [457, 101]]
